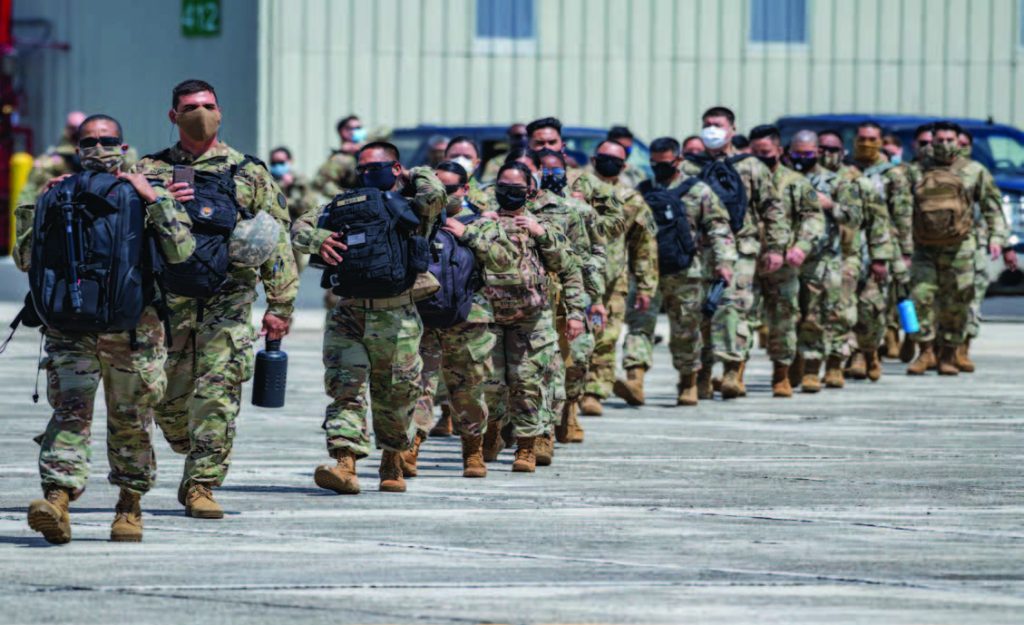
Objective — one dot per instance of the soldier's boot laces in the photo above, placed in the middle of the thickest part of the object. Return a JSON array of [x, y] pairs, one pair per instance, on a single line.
[[575, 429], [858, 369], [705, 385], [780, 380], [925, 360], [443, 428], [796, 372], [590, 406], [127, 525], [391, 480], [341, 478], [473, 456], [687, 390], [631, 390], [963, 358], [526, 460], [834, 372], [947, 361], [50, 516], [907, 350], [873, 365], [731, 380], [493, 442], [892, 344], [544, 449], [811, 382], [411, 456], [199, 503]]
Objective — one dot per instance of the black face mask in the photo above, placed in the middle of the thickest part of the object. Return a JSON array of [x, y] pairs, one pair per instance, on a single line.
[[804, 164], [377, 176], [554, 183], [608, 166], [510, 197], [663, 172], [769, 161]]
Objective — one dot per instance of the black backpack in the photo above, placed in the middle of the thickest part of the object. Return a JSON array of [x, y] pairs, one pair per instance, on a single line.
[[676, 247], [726, 182], [454, 266], [384, 252], [92, 261]]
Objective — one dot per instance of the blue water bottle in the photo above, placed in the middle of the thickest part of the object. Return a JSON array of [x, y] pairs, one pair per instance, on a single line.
[[908, 316]]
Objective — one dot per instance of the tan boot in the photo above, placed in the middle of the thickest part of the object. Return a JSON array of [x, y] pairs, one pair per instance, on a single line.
[[390, 472], [127, 525], [780, 380], [947, 361], [811, 382], [963, 359], [858, 369], [562, 429], [632, 388], [687, 390], [873, 365], [731, 380], [411, 456], [590, 406], [493, 442], [526, 460], [199, 503], [762, 337], [50, 516], [705, 387], [443, 428], [834, 372], [796, 372], [739, 378], [340, 478], [925, 359], [544, 450], [575, 429], [892, 344], [907, 350], [473, 456]]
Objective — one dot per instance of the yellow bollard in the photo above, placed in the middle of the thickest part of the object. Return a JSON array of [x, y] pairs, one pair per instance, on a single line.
[[21, 167]]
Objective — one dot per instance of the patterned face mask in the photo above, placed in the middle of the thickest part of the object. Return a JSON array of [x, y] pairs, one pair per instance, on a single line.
[[102, 158]]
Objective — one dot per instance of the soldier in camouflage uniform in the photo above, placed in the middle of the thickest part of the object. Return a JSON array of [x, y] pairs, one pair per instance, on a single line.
[[339, 171], [298, 192], [516, 139], [922, 145], [58, 160], [634, 252], [520, 392], [729, 330], [798, 281], [631, 175], [133, 375], [211, 341], [944, 252]]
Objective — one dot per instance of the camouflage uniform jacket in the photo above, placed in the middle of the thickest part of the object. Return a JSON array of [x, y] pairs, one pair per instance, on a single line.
[[847, 214], [494, 252], [299, 196], [557, 256], [800, 201], [709, 225], [255, 191], [893, 186], [873, 235], [563, 212], [606, 200], [636, 249], [336, 175]]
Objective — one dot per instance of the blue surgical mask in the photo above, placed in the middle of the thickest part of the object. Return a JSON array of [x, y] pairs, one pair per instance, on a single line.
[[278, 170], [896, 159], [358, 135]]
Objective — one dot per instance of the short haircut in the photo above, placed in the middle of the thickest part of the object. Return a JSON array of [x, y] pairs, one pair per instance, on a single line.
[[869, 124], [545, 152], [381, 145], [517, 153], [693, 138], [527, 174], [923, 128], [609, 141], [343, 121], [619, 132], [281, 148], [665, 144], [544, 122], [766, 131], [720, 111], [740, 141], [100, 118], [947, 125], [188, 87], [804, 136], [454, 168], [830, 132], [967, 133], [462, 139], [893, 139]]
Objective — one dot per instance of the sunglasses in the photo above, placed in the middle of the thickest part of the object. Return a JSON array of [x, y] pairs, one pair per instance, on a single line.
[[803, 154], [923, 143], [830, 149], [452, 189], [278, 162], [107, 142], [365, 167], [557, 171], [517, 137]]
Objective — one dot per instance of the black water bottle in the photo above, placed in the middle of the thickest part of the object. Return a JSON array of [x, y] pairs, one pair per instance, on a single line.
[[270, 377]]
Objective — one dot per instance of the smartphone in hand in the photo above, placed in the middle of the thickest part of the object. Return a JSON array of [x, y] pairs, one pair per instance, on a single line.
[[184, 173]]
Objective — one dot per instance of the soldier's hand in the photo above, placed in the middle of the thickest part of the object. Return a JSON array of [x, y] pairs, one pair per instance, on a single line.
[[795, 257], [530, 225], [52, 182], [573, 328], [455, 226], [332, 248], [825, 201], [492, 215], [1010, 258], [142, 186], [771, 262], [879, 271], [726, 274], [643, 303], [906, 261], [601, 312], [274, 327], [182, 191], [995, 250]]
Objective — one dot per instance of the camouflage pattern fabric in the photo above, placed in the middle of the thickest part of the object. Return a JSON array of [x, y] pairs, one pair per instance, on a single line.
[[300, 198], [335, 175]]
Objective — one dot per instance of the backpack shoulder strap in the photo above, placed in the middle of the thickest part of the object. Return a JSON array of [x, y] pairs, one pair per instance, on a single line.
[[736, 158], [683, 189], [164, 156]]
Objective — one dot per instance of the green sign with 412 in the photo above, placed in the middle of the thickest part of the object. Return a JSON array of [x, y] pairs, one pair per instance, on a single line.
[[200, 18]]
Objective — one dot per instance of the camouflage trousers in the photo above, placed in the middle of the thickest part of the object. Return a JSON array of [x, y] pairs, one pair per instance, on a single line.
[[981, 281], [461, 357], [209, 359], [872, 309], [519, 392], [729, 329], [821, 314], [901, 286], [682, 297], [638, 349], [569, 368], [943, 279], [371, 355], [839, 333], [133, 382], [781, 292], [601, 375]]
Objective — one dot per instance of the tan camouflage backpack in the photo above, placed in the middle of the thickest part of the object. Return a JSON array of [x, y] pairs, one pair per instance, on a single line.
[[522, 292], [943, 213]]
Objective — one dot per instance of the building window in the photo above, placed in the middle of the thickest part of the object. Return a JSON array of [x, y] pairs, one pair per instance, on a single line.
[[778, 21], [505, 26]]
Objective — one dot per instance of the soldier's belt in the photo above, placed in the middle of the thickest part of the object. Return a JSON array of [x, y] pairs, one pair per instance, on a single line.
[[385, 303]]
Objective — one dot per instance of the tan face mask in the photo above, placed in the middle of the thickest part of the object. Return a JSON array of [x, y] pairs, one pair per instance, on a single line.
[[866, 150], [200, 124]]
